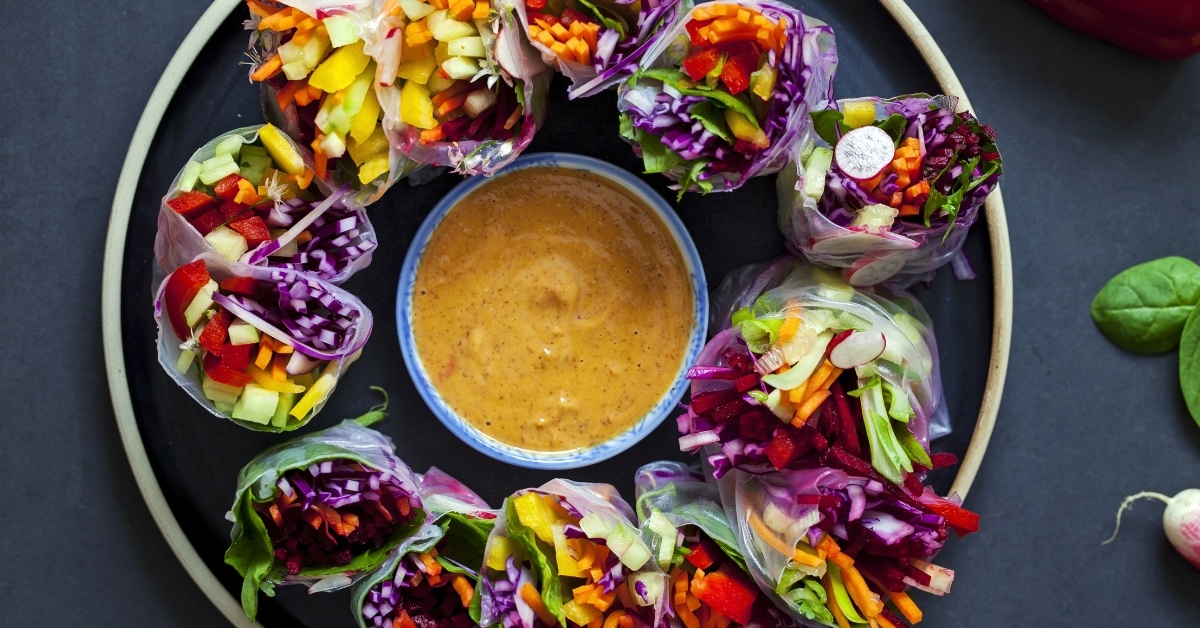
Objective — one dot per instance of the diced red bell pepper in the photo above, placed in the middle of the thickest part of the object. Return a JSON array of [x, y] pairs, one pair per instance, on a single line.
[[247, 286], [253, 229], [961, 520], [569, 15], [693, 29], [214, 370], [703, 553], [728, 591], [741, 61], [209, 221], [232, 210], [181, 288], [236, 357], [216, 331], [227, 188], [782, 449], [537, 5], [192, 205], [700, 62]]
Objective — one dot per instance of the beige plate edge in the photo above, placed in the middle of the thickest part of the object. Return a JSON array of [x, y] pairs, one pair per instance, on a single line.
[[114, 254]]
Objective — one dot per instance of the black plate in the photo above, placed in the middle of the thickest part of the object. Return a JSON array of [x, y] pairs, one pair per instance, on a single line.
[[197, 456]]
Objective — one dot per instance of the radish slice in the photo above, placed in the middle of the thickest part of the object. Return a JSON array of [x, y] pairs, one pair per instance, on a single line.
[[1181, 521], [858, 349], [864, 152], [859, 241], [874, 268]]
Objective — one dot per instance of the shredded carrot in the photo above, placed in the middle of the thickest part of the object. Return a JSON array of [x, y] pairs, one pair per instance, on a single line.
[[838, 615], [402, 505], [430, 136], [767, 535], [809, 406], [513, 117], [260, 9], [272, 66], [450, 92], [534, 599], [909, 210], [417, 33], [831, 379], [288, 94], [831, 549], [432, 567], [789, 328], [263, 360], [482, 9], [305, 179], [591, 35], [279, 368], [320, 159], [450, 104], [687, 617], [276, 516], [461, 10], [864, 598], [905, 604], [280, 347], [921, 188], [404, 621]]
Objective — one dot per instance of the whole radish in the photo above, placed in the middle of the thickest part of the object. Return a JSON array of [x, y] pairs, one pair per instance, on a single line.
[[1181, 521]]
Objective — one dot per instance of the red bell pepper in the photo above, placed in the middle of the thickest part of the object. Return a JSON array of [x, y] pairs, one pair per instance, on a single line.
[[209, 221], [236, 357], [741, 61], [782, 450], [246, 286], [216, 331], [728, 591], [703, 553], [192, 205], [253, 229], [1160, 29], [693, 29], [181, 288], [961, 520], [214, 370], [700, 62], [227, 188], [233, 210]]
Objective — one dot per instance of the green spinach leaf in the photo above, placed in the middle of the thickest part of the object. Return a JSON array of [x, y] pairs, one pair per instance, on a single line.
[[1189, 364], [1144, 308]]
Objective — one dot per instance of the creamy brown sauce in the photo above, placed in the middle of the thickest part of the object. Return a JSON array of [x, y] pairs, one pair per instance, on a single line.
[[552, 309]]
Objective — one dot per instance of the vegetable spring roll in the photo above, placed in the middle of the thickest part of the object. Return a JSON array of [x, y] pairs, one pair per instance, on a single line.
[[814, 368], [263, 347], [840, 549], [892, 188], [248, 196], [318, 63], [693, 542], [321, 510], [430, 579], [725, 96], [568, 554], [596, 44], [467, 90]]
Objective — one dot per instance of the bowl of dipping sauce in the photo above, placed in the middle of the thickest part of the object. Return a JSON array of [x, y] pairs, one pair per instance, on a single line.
[[548, 314]]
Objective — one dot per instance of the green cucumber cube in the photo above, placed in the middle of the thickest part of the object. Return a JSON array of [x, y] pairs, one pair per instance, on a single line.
[[229, 146], [220, 393], [342, 30], [256, 405], [227, 242], [200, 304], [217, 168], [242, 333], [187, 180], [286, 401]]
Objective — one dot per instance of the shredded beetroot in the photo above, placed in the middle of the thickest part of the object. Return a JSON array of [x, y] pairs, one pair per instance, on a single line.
[[326, 514], [427, 596]]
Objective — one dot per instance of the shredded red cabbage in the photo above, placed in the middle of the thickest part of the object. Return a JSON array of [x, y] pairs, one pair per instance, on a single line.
[[411, 592]]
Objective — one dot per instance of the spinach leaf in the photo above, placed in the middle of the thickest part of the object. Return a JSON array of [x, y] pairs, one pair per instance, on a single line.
[[1144, 308], [1189, 364], [895, 126], [655, 156], [827, 123]]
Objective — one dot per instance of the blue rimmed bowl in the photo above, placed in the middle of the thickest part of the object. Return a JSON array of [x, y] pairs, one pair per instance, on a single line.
[[578, 457]]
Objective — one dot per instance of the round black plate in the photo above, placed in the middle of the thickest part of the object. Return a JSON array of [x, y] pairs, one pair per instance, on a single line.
[[197, 456]]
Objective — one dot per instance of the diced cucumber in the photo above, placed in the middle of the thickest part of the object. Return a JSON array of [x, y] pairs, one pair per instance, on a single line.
[[296, 70], [626, 542], [220, 393], [356, 95], [314, 50], [253, 150], [460, 68], [667, 534], [286, 401], [184, 363], [415, 9], [257, 404], [242, 333], [445, 28], [815, 171], [467, 47], [802, 370], [227, 242], [231, 146], [217, 168], [436, 82], [200, 304], [342, 30], [187, 180], [289, 53], [596, 526], [780, 405], [333, 145]]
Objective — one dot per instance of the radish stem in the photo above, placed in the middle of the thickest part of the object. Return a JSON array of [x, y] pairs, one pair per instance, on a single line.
[[1128, 503]]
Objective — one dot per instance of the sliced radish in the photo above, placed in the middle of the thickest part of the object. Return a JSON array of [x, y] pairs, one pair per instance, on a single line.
[[864, 152], [523, 64], [874, 268], [858, 349], [837, 340], [859, 240]]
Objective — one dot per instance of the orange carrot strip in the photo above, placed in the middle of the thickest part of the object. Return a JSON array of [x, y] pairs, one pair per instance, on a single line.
[[838, 615], [767, 535], [789, 328], [534, 599], [917, 189], [288, 94], [591, 35], [439, 4], [909, 210], [810, 406], [545, 38], [282, 348], [432, 567], [482, 9], [260, 9], [463, 587], [279, 368], [907, 607], [581, 593], [870, 184], [513, 117], [320, 159], [263, 360], [687, 617], [454, 102], [268, 68], [430, 136], [450, 92], [831, 379], [864, 598], [897, 199], [462, 10], [305, 179]]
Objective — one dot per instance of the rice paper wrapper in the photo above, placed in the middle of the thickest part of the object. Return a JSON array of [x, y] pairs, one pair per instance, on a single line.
[[300, 122], [498, 603], [458, 525], [909, 362], [326, 254], [680, 493], [619, 51], [250, 551], [170, 347], [823, 230], [510, 60], [805, 69]]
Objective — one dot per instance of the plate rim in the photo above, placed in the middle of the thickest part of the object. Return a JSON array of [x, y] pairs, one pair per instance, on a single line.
[[113, 267]]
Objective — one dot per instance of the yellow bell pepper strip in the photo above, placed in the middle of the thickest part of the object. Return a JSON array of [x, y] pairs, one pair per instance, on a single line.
[[318, 392], [264, 379]]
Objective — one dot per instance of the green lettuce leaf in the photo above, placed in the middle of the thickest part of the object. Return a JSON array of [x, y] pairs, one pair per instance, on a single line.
[[545, 567]]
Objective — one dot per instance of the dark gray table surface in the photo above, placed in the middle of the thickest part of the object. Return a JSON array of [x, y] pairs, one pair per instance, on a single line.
[[1100, 155]]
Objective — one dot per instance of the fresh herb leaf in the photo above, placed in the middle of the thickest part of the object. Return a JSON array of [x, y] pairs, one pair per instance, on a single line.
[[712, 120], [655, 156], [894, 126], [250, 553], [1145, 308], [827, 123], [1189, 364], [676, 79], [545, 568]]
